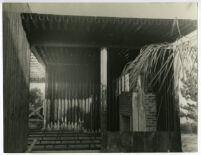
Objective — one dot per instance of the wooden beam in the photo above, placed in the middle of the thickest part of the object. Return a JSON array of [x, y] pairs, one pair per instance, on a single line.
[[83, 45], [75, 39], [70, 64], [30, 148]]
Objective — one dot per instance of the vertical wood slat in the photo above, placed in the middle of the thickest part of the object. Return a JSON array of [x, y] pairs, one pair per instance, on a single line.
[[76, 101], [95, 107], [78, 104], [114, 104], [84, 111], [46, 95], [98, 106], [9, 100], [70, 102], [45, 101], [91, 105], [82, 101], [117, 103], [63, 104], [6, 38], [9, 103], [66, 104], [86, 103], [73, 105], [16, 81], [55, 99], [44, 113], [51, 107], [49, 98], [59, 100], [135, 112]]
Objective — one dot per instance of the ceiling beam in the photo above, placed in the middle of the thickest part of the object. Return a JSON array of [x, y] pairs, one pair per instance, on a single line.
[[83, 45]]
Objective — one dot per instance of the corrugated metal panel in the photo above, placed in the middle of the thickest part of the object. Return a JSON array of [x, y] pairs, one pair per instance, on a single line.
[[101, 31], [67, 56], [37, 71]]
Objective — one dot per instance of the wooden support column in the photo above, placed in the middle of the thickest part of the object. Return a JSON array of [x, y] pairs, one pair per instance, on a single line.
[[103, 95]]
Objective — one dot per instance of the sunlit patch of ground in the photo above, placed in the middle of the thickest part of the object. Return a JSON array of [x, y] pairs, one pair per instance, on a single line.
[[189, 142]]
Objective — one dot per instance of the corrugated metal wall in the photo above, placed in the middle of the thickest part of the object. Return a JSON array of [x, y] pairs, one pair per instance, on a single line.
[[16, 57]]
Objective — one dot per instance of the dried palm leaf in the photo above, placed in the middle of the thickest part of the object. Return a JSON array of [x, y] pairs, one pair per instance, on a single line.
[[158, 60]]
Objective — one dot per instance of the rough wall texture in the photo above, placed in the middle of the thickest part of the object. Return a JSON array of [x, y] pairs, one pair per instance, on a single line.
[[16, 56], [150, 112], [144, 112]]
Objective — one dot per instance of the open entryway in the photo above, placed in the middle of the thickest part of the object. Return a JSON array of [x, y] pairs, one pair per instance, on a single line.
[[69, 115]]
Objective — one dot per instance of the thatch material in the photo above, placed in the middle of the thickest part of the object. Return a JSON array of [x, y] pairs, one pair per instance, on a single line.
[[155, 62]]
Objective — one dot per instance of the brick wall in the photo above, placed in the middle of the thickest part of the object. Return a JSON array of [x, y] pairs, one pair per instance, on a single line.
[[150, 112], [142, 113]]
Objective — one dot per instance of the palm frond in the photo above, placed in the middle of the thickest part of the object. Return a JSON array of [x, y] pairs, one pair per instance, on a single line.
[[158, 60]]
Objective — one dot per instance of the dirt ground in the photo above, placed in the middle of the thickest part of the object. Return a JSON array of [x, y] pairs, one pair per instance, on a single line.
[[189, 142]]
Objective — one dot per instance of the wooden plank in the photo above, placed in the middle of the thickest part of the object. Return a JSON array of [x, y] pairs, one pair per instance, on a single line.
[[51, 42], [141, 116], [31, 146], [135, 111]]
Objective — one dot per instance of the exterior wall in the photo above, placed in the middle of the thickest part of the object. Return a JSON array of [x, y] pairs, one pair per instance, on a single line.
[[150, 112], [142, 114], [143, 142], [16, 57]]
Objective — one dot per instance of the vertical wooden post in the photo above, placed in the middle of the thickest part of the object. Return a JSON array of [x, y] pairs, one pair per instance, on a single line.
[[103, 95], [46, 104]]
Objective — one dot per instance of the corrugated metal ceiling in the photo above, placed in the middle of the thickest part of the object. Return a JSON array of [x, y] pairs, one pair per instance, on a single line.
[[51, 30], [53, 36]]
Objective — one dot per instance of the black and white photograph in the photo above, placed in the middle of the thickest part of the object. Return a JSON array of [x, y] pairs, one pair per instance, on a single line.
[[99, 77]]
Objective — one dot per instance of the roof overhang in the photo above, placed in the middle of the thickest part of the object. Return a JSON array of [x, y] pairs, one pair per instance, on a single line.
[[57, 31], [156, 10]]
